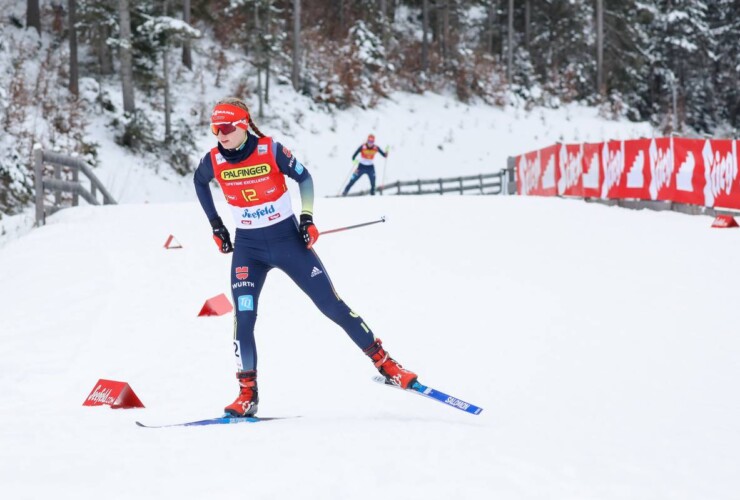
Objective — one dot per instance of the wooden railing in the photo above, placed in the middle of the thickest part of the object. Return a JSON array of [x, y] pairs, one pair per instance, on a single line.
[[495, 183], [58, 185]]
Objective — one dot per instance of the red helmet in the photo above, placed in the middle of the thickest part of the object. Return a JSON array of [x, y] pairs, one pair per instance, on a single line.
[[370, 138]]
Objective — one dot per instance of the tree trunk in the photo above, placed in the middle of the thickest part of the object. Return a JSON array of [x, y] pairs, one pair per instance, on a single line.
[[102, 50], [187, 55], [167, 104], [600, 88], [510, 44], [340, 30], [384, 22], [527, 22], [446, 31], [33, 15], [260, 57], [166, 84], [73, 66], [425, 36], [268, 54], [127, 70], [296, 43], [491, 24]]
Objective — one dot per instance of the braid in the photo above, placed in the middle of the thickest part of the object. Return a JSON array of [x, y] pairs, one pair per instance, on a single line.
[[241, 104], [254, 127]]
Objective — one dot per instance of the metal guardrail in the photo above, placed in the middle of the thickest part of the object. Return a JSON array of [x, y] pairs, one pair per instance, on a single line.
[[58, 185], [486, 184]]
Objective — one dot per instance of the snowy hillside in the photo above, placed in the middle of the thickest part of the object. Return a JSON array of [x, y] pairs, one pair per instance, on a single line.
[[429, 136], [601, 342]]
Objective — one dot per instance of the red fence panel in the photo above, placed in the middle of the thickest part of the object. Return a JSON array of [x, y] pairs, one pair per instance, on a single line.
[[660, 153], [570, 170], [537, 172], [722, 187], [704, 172], [688, 171], [593, 170], [549, 159]]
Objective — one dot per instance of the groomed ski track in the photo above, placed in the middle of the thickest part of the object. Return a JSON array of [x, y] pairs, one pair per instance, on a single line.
[[603, 344]]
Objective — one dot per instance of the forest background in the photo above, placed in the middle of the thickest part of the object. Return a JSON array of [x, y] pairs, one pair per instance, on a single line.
[[66, 64]]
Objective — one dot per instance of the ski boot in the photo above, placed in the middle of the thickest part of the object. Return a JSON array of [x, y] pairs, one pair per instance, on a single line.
[[391, 369], [246, 402]]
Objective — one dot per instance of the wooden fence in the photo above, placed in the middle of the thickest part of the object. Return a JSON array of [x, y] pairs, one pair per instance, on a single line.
[[487, 184], [57, 185]]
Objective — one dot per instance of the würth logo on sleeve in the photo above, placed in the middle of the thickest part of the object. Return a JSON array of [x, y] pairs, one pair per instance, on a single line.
[[242, 272]]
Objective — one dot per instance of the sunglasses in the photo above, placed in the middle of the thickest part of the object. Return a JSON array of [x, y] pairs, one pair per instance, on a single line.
[[224, 128]]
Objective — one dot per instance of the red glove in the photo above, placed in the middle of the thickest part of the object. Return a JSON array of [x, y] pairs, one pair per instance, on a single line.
[[221, 236], [308, 230]]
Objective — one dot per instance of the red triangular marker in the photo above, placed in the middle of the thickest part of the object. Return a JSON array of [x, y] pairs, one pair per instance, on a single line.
[[113, 393], [724, 221], [172, 243], [216, 306]]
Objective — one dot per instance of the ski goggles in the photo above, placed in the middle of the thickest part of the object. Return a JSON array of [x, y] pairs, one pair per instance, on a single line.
[[227, 127]]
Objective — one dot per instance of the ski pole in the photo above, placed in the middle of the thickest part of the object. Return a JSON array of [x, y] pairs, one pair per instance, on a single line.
[[354, 166], [385, 168], [382, 219]]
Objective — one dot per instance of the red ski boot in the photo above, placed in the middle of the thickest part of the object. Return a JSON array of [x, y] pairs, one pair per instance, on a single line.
[[246, 402], [389, 367]]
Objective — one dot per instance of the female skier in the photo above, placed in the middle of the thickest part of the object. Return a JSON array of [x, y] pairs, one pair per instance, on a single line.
[[367, 152], [251, 169]]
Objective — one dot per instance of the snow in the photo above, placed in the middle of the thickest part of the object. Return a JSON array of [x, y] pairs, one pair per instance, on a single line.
[[429, 136], [601, 343]]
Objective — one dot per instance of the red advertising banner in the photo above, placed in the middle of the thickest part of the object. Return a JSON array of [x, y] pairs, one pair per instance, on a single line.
[[628, 169], [593, 170], [612, 158], [722, 187], [660, 155], [702, 172], [570, 170], [537, 172], [549, 158], [688, 171], [528, 173]]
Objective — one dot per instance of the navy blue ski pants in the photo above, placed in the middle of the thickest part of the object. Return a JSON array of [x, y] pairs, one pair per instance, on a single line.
[[256, 252], [359, 172]]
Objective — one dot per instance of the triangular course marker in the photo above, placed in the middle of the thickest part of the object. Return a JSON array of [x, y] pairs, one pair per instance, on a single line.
[[724, 221], [172, 243], [113, 393], [216, 306]]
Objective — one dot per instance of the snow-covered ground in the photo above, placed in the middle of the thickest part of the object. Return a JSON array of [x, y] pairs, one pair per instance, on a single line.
[[601, 342]]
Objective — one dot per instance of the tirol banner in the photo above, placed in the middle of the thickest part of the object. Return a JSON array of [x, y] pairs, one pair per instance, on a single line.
[[536, 172], [688, 171], [593, 170], [570, 170], [703, 172], [720, 173]]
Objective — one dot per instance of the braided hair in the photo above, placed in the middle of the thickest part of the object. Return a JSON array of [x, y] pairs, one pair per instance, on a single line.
[[235, 101]]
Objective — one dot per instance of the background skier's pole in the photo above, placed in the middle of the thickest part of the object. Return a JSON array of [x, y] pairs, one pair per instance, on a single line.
[[346, 179], [382, 219], [385, 169]]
